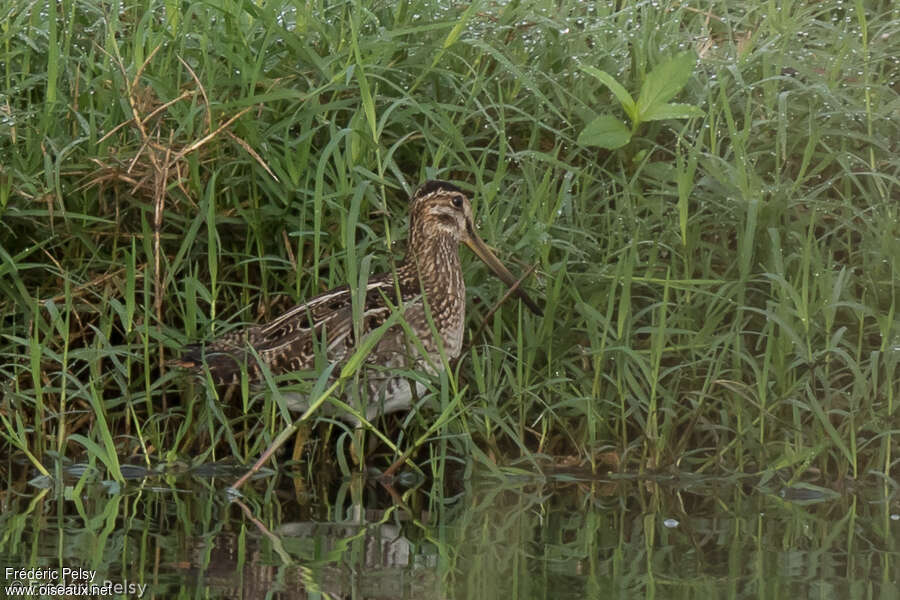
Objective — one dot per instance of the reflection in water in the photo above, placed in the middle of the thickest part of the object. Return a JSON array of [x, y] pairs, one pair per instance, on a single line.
[[338, 561], [498, 537]]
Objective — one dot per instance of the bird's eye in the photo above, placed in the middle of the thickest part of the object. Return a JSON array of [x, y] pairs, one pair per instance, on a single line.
[[457, 201]]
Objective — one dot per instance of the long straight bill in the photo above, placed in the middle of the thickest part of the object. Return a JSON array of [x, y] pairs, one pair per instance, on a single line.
[[484, 253]]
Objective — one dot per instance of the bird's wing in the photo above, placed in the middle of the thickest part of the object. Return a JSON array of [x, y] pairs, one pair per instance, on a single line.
[[288, 343]]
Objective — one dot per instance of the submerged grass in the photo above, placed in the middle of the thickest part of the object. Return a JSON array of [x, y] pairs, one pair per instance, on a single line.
[[720, 293]]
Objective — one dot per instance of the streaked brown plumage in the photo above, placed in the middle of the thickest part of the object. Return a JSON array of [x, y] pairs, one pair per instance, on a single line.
[[440, 218]]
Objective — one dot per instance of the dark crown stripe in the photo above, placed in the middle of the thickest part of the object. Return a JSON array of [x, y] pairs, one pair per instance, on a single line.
[[436, 185]]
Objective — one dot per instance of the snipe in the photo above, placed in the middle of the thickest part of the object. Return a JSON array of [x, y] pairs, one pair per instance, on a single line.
[[428, 281]]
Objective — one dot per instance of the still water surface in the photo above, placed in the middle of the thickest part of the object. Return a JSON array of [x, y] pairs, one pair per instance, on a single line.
[[505, 536]]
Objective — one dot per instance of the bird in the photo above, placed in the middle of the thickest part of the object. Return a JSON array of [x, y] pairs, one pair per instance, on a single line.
[[427, 288]]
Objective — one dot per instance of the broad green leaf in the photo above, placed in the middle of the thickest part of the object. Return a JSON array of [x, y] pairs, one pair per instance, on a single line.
[[605, 131], [614, 86], [663, 82], [671, 111]]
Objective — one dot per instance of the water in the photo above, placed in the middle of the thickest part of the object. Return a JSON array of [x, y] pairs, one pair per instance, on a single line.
[[493, 536]]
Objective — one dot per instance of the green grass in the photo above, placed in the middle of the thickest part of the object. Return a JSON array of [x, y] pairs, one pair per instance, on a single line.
[[720, 293]]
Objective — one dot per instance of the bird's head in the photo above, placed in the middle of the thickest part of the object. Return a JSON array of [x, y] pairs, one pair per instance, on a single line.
[[441, 212]]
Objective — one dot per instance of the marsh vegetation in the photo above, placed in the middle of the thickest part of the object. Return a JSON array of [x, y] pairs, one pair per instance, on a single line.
[[719, 282]]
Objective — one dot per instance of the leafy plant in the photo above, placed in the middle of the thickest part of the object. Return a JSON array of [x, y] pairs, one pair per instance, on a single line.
[[660, 86]]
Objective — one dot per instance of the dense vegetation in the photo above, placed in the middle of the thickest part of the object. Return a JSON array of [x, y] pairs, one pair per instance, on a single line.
[[720, 291]]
